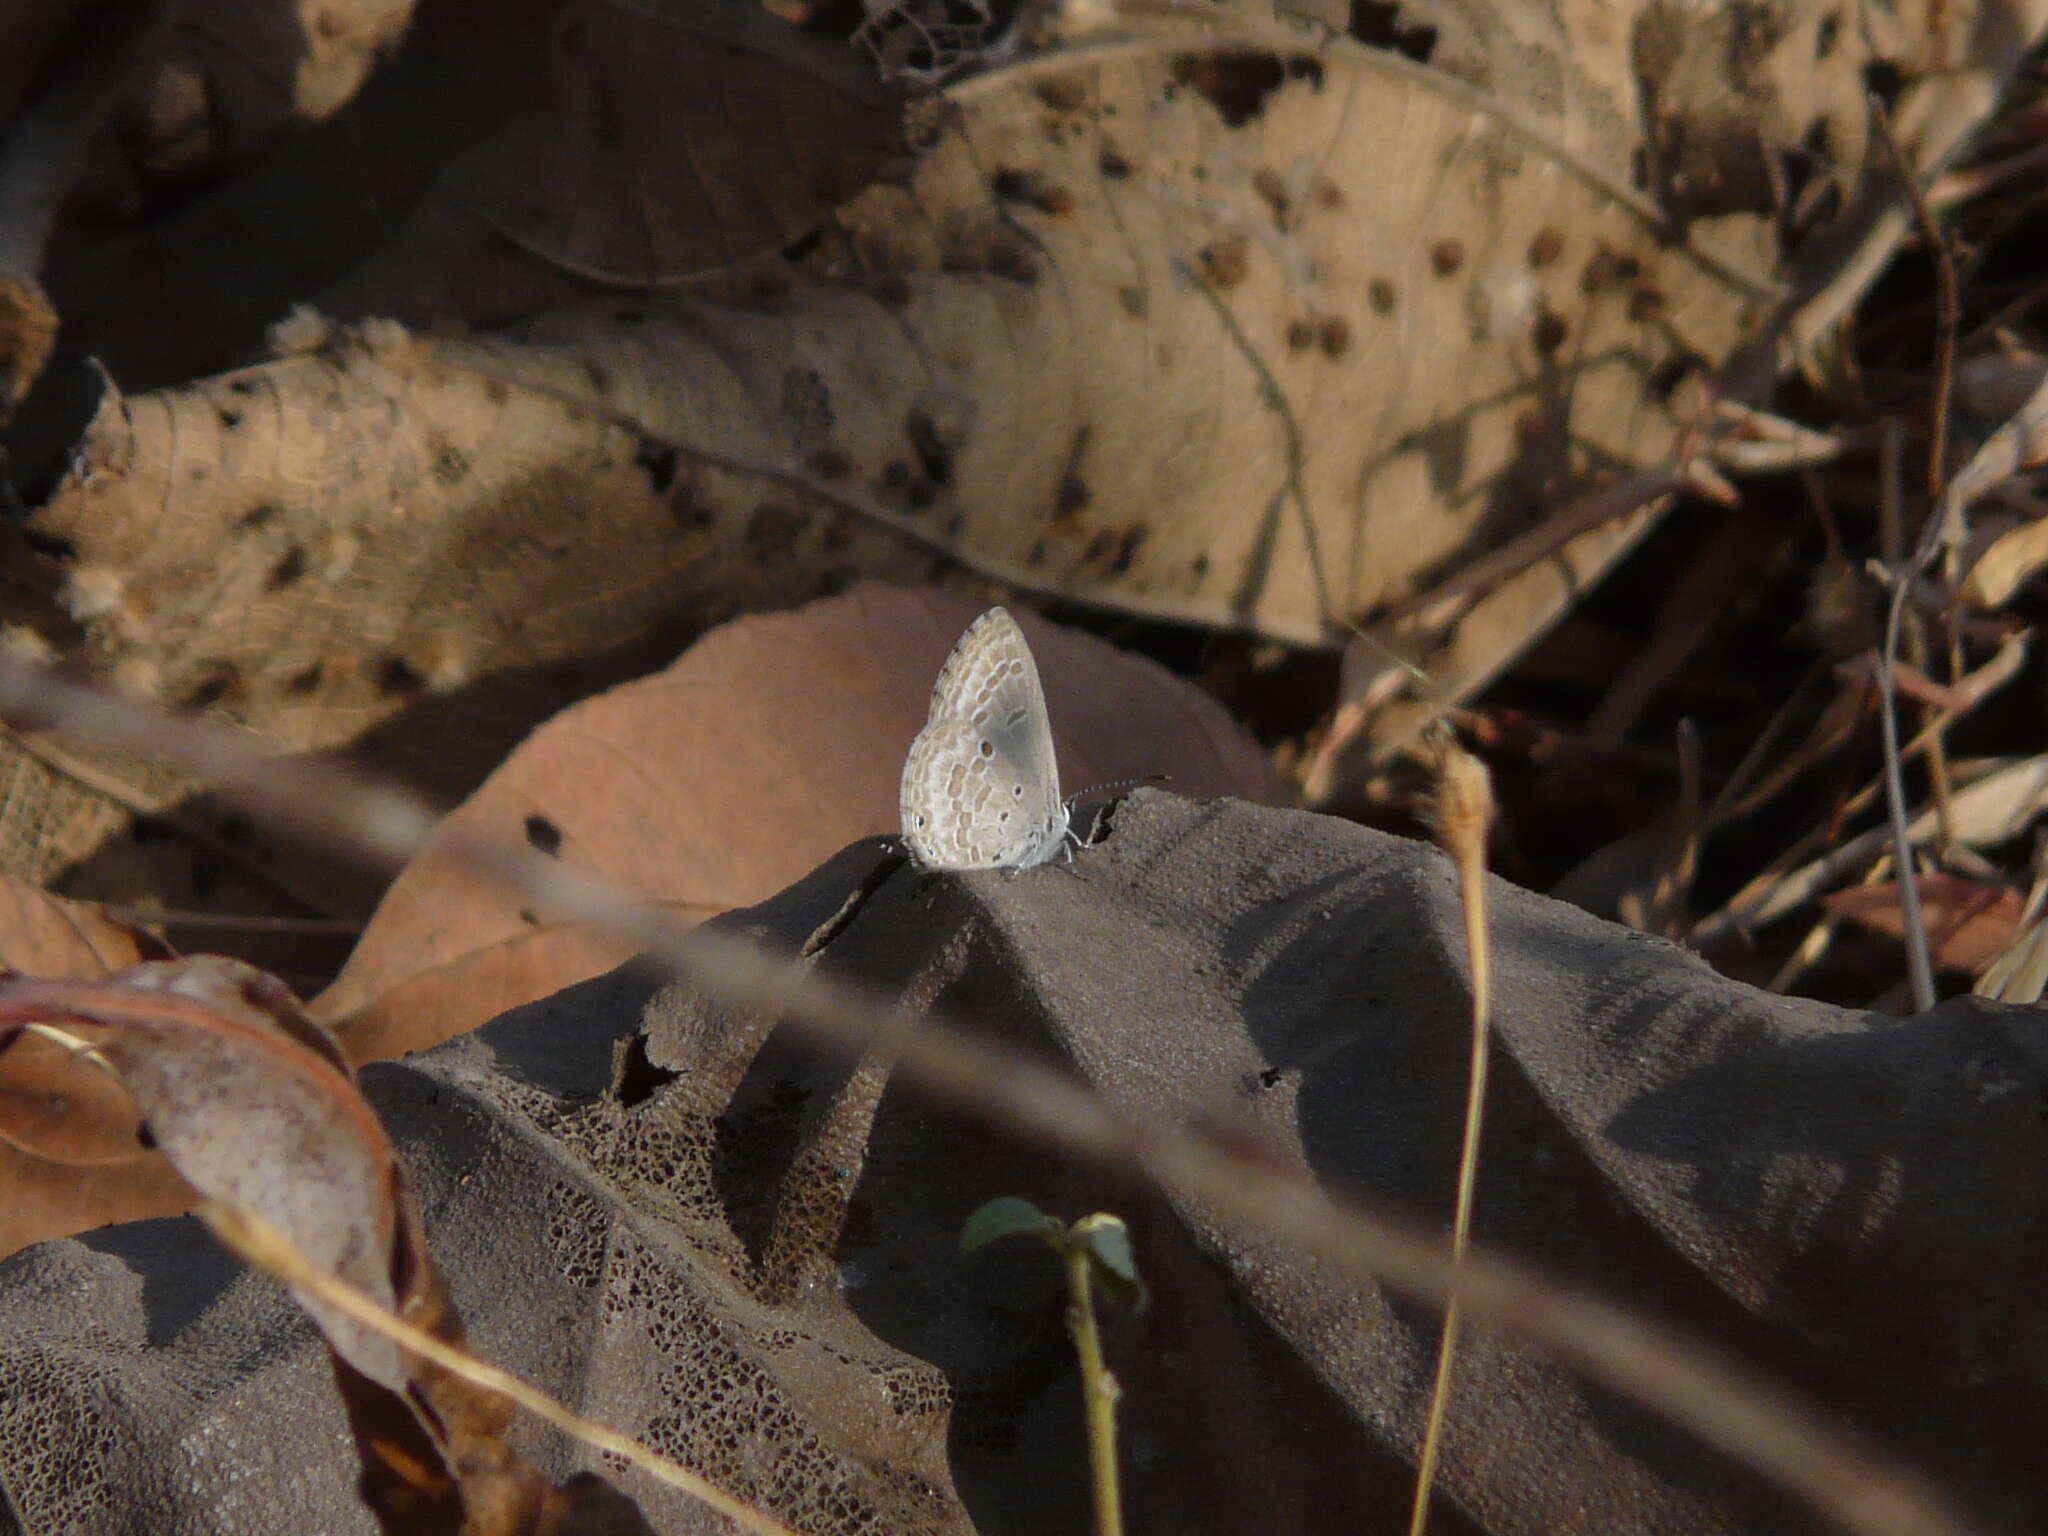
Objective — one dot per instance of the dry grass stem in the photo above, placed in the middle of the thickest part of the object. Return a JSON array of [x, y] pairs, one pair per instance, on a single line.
[[1464, 815]]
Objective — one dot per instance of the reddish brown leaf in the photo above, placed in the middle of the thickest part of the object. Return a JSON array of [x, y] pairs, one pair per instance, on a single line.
[[769, 745], [1968, 921]]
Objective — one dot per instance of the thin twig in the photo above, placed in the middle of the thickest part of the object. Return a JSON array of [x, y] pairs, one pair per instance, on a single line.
[[1919, 964]]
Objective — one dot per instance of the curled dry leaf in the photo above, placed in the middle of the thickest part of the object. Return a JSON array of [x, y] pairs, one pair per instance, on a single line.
[[767, 747], [666, 155], [69, 1153], [253, 1104]]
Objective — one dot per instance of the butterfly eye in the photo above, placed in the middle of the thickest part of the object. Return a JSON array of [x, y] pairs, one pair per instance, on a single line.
[[988, 748]]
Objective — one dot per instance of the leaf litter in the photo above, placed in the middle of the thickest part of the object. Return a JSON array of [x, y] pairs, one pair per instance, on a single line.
[[407, 540]]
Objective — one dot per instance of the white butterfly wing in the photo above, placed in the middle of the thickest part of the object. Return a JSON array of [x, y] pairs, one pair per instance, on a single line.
[[981, 786]]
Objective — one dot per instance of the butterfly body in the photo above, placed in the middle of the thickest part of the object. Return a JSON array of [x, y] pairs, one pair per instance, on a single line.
[[981, 787]]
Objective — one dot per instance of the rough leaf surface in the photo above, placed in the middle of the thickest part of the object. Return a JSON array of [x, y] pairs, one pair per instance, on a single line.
[[694, 1228]]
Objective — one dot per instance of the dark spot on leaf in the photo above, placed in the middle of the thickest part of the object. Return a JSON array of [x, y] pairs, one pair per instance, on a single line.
[[1072, 495], [934, 452], [1377, 24], [1226, 260], [1306, 66], [1014, 260], [1328, 197], [1236, 83], [1334, 335], [807, 403], [1646, 303], [658, 462], [242, 386], [1036, 554], [1033, 191], [1883, 79], [303, 681], [773, 529], [1547, 246], [892, 289], [544, 835], [1272, 186], [1134, 301], [230, 419], [145, 1138], [497, 391], [1826, 35], [1112, 164], [1200, 566], [527, 917], [49, 545], [600, 377], [1299, 335], [1064, 93], [218, 680], [289, 568], [1549, 332], [804, 246], [1447, 256], [258, 516], [686, 504], [1669, 374], [1127, 548], [831, 463], [1381, 295], [922, 494], [449, 464], [1606, 269], [896, 475], [396, 675]]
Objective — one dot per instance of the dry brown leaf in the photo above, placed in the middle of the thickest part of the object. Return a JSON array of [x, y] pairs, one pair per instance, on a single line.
[[1230, 250], [1968, 921], [69, 1156], [768, 746], [668, 154], [253, 1104]]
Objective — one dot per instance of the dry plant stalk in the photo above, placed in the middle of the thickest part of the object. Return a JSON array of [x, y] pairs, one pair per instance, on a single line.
[[1725, 1405], [1464, 814]]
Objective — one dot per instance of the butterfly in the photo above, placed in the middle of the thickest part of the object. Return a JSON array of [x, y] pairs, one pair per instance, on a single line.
[[981, 789]]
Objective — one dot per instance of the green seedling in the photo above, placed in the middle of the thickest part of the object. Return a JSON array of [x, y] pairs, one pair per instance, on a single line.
[[1096, 1252]]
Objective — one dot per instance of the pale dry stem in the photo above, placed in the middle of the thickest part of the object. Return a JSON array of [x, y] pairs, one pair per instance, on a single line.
[[1464, 815]]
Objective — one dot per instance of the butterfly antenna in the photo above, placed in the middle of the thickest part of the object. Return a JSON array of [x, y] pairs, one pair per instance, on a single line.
[[1116, 784]]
